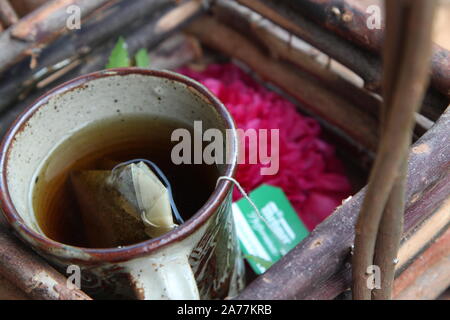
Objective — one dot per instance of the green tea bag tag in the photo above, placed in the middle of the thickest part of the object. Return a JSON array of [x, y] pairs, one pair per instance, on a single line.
[[265, 242]]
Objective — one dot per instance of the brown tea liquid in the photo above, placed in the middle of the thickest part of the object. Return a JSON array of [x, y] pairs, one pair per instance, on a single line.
[[101, 146]]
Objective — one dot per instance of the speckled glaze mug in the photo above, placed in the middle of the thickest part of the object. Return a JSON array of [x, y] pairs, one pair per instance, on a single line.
[[199, 259]]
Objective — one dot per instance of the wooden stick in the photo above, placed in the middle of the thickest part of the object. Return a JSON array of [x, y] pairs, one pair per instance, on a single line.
[[51, 17], [389, 236], [31, 274], [7, 14], [23, 7], [391, 225], [427, 277], [412, 73], [38, 29]]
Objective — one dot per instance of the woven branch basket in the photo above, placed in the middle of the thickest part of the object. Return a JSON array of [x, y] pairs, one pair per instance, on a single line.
[[320, 54]]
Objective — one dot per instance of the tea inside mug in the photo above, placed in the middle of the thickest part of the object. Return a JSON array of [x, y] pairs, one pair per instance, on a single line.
[[92, 153]]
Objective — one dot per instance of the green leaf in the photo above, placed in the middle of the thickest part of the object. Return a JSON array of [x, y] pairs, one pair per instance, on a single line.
[[142, 59], [119, 56], [265, 263]]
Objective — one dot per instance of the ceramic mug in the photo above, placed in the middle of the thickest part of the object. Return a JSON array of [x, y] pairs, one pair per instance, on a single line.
[[198, 259]]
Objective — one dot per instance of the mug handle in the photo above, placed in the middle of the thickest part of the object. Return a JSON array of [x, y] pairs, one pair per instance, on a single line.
[[164, 278]]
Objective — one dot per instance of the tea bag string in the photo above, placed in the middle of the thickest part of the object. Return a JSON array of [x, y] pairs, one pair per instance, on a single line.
[[165, 181], [247, 197]]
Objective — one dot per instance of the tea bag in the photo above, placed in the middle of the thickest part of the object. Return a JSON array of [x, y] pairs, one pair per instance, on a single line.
[[144, 197], [123, 206]]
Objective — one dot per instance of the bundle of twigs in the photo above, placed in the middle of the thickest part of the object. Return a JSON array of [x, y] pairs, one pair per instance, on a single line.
[[265, 36]]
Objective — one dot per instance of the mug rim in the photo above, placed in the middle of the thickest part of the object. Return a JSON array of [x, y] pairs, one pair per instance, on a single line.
[[122, 253]]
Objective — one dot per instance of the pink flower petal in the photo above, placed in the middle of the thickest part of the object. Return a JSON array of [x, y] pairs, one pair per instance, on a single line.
[[310, 173]]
